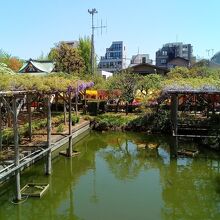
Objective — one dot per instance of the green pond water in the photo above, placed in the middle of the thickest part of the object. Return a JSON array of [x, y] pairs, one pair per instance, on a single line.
[[113, 179]]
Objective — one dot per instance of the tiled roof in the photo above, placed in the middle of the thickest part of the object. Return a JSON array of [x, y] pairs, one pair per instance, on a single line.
[[41, 66]]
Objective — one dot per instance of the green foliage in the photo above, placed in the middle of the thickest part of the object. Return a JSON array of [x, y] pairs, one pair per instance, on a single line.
[[195, 71], [198, 77], [60, 128], [126, 82], [201, 63], [113, 122], [151, 121], [151, 81], [43, 56], [7, 136], [75, 119], [11, 62], [67, 59], [51, 82], [4, 70], [99, 81], [179, 72], [85, 52], [40, 124], [154, 121]]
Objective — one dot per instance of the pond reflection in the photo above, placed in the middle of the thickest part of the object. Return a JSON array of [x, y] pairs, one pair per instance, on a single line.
[[122, 176]]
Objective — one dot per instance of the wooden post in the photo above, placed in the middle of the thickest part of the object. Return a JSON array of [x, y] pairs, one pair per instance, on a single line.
[[76, 99], [8, 113], [85, 107], [70, 148], [49, 154], [126, 108], [174, 113], [174, 121], [56, 102], [16, 143], [1, 124], [116, 107], [29, 117]]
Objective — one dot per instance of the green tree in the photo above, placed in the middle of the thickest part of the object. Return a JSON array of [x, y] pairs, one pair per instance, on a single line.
[[85, 52], [67, 59], [43, 56], [10, 61], [151, 81], [126, 82]]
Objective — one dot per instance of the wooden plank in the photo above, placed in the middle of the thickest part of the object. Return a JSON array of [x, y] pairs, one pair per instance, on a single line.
[[195, 136]]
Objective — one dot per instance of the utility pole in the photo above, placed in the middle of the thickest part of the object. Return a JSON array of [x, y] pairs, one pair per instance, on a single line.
[[92, 12], [92, 58]]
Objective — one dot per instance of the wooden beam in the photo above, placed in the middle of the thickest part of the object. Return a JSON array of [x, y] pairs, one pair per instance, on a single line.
[[62, 97], [49, 154], [16, 143]]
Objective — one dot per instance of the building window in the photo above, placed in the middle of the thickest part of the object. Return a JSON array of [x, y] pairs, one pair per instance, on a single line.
[[163, 61]]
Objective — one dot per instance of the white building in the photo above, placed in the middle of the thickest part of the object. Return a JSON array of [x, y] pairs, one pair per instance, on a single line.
[[106, 74], [141, 58]]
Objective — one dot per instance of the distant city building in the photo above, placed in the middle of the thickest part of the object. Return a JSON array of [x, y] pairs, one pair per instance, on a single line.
[[170, 51], [141, 58], [114, 59]]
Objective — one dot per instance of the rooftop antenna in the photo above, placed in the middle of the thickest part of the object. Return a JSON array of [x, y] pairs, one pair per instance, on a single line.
[[207, 51], [92, 58], [176, 38]]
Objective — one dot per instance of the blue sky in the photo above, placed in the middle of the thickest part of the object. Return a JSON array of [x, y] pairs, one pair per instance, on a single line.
[[30, 27]]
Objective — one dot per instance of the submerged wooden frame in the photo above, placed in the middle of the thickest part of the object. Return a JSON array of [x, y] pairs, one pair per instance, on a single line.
[[43, 187]]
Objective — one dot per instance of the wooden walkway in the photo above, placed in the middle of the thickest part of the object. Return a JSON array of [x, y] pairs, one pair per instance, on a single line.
[[57, 142]]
